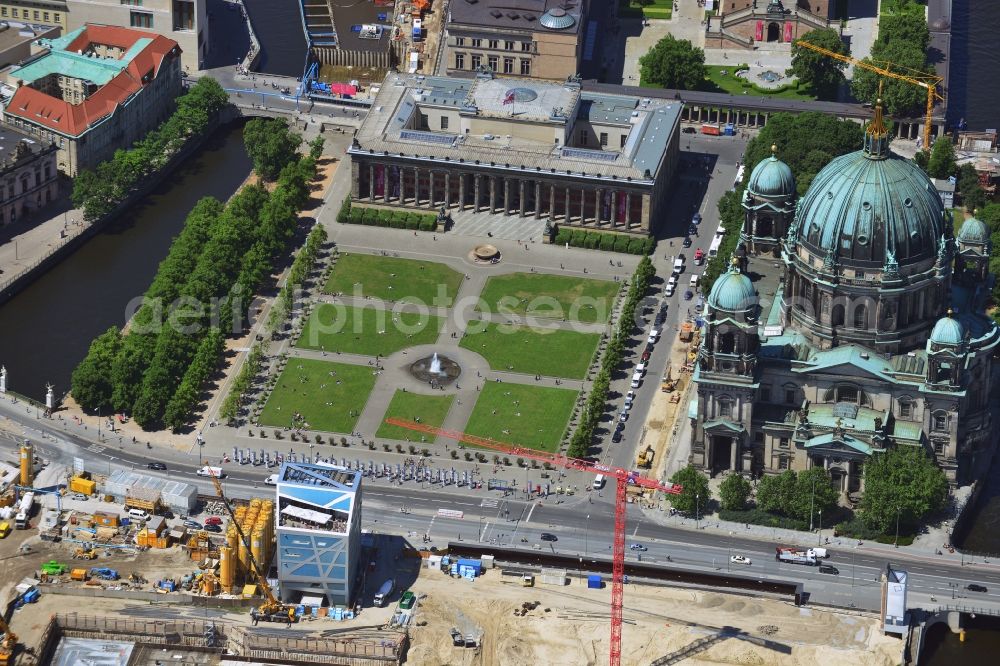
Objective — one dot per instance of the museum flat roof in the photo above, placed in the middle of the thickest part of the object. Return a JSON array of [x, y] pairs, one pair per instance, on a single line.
[[385, 130]]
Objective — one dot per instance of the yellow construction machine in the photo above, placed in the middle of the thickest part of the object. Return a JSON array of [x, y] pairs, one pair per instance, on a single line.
[[645, 459], [271, 610], [82, 553], [8, 644]]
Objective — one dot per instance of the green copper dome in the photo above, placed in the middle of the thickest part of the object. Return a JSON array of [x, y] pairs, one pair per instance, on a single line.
[[973, 231], [865, 205], [948, 331], [771, 178], [733, 291]]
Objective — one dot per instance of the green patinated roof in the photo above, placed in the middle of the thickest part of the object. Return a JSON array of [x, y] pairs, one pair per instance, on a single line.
[[848, 355], [75, 65], [973, 231], [733, 292], [725, 423], [771, 178], [861, 208], [948, 331], [846, 440], [826, 415], [907, 430]]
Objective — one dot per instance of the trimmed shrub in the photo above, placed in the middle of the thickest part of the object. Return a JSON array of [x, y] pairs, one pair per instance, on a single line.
[[428, 224], [607, 242], [621, 243]]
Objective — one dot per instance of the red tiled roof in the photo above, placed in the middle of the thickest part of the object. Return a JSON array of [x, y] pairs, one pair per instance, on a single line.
[[74, 119]]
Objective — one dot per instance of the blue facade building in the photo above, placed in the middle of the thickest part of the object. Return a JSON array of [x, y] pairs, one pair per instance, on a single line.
[[318, 531]]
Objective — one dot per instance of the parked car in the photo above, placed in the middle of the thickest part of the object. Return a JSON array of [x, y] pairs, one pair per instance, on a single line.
[[548, 536], [692, 230], [973, 587], [696, 218], [687, 241], [640, 368], [645, 355], [192, 524], [654, 335], [688, 294], [689, 130], [623, 416], [637, 546], [213, 528], [740, 559], [213, 520], [616, 436], [827, 569], [630, 398], [80, 497], [156, 465]]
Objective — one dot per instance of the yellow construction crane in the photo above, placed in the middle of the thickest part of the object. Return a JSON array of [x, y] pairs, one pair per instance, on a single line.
[[926, 81], [8, 644], [272, 609]]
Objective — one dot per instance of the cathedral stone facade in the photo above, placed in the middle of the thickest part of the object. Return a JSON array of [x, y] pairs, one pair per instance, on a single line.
[[876, 336]]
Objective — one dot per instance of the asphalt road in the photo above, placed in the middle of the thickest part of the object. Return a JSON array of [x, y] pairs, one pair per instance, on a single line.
[[583, 525]]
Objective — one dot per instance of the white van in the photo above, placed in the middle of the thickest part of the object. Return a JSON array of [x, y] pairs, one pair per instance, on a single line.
[[678, 266], [694, 282], [598, 482], [138, 514]]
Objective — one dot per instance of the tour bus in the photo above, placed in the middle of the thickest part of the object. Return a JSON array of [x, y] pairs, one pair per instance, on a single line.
[[713, 249]]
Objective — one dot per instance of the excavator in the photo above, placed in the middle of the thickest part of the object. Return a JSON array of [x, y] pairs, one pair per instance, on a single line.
[[8, 644], [271, 610]]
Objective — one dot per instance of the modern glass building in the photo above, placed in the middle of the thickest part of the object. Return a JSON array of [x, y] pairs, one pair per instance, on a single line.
[[318, 531]]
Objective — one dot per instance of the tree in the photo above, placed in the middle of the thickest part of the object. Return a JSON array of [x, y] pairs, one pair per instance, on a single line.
[[941, 163], [899, 97], [271, 145], [733, 492], [812, 492], [823, 73], [695, 493], [673, 63], [775, 493], [973, 196], [91, 380], [903, 482], [907, 27]]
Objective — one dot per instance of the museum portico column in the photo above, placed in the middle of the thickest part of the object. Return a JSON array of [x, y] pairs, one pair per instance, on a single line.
[[475, 192], [506, 196], [520, 196], [371, 182], [461, 190]]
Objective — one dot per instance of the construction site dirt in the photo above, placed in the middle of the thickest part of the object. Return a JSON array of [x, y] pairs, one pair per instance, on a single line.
[[514, 625]]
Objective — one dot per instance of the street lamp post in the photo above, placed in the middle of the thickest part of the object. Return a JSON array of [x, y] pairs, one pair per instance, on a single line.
[[480, 528], [697, 511], [586, 538], [812, 500], [97, 413], [895, 542], [819, 533]]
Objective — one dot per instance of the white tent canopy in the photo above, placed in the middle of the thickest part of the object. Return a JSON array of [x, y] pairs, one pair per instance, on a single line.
[[318, 517]]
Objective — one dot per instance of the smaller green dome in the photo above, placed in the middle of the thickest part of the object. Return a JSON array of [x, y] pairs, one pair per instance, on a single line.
[[772, 178], [948, 331], [973, 231], [733, 291]]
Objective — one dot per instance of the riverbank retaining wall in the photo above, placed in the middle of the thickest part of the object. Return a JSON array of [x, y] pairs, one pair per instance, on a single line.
[[60, 251]]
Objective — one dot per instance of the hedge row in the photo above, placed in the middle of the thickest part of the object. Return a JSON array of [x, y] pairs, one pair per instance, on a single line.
[[761, 517], [301, 266], [379, 217], [242, 383], [598, 240]]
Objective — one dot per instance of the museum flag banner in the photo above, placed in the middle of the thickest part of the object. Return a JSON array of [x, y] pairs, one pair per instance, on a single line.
[[788, 31], [758, 32]]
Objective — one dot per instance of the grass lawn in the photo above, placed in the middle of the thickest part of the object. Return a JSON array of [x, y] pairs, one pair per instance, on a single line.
[[544, 414], [328, 402], [651, 9], [430, 409], [730, 83], [393, 279], [553, 296], [367, 331], [550, 352]]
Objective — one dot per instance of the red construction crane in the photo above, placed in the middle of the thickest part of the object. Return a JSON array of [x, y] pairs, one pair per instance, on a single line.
[[623, 478]]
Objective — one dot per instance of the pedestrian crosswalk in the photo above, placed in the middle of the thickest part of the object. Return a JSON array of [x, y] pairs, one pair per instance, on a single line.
[[505, 227], [96, 448], [489, 503]]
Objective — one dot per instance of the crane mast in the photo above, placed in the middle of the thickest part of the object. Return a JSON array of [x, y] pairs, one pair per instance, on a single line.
[[623, 479]]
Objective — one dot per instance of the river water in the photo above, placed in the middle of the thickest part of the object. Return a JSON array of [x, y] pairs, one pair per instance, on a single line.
[[278, 26], [46, 329]]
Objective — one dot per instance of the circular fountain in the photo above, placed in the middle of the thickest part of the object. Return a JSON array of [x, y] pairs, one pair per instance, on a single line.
[[436, 370]]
